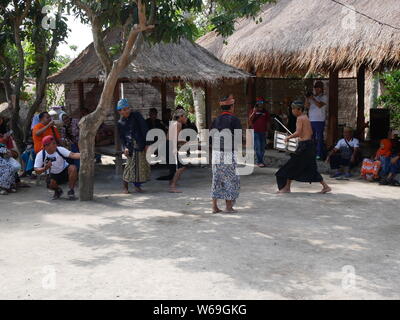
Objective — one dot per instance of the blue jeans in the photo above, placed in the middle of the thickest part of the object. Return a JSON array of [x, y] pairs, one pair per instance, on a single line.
[[75, 149], [318, 128], [259, 145], [385, 165], [395, 167]]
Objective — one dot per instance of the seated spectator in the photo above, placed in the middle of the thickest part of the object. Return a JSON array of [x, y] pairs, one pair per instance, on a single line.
[[44, 128], [8, 169], [6, 137], [53, 160], [153, 122], [70, 135], [167, 117], [383, 155], [28, 160], [394, 165], [345, 155]]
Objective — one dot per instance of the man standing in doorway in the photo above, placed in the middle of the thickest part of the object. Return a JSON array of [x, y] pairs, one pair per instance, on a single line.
[[317, 104], [260, 120]]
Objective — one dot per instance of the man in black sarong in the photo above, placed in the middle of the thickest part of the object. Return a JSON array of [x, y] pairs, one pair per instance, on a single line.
[[302, 165]]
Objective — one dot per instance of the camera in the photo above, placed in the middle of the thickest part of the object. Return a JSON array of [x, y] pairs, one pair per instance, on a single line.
[[309, 94], [50, 159]]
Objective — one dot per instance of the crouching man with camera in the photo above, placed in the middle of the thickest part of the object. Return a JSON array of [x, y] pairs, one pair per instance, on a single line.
[[54, 161]]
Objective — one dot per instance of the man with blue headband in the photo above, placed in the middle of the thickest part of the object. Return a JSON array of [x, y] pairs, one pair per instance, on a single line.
[[132, 130]]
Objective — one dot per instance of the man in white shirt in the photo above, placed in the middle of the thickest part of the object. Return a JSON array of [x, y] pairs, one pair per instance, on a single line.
[[53, 159], [345, 154], [317, 105]]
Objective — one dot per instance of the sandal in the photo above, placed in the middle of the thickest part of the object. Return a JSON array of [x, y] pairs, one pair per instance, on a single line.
[[395, 183]]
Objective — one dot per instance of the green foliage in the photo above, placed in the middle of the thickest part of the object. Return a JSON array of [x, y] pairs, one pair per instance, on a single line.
[[175, 18], [54, 98], [391, 97], [184, 97]]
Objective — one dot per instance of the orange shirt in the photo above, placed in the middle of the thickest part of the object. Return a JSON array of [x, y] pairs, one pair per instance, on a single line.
[[385, 149], [37, 140]]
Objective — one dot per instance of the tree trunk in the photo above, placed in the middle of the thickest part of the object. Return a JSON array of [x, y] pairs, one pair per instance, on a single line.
[[86, 171], [88, 129], [199, 108]]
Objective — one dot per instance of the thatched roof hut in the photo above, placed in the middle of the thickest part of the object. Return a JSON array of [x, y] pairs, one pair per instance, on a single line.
[[184, 61], [313, 36]]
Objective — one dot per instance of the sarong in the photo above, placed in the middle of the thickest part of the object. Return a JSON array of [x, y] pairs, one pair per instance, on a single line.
[[302, 166], [226, 181], [7, 174], [137, 169]]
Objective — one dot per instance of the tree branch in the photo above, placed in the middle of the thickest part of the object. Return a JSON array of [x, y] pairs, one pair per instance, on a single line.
[[98, 38], [152, 16]]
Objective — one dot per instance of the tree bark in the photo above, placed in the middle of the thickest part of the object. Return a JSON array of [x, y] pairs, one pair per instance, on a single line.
[[199, 100], [91, 123], [87, 138], [41, 81], [15, 118]]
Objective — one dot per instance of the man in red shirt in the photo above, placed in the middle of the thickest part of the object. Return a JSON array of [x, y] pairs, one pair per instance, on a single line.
[[260, 121]]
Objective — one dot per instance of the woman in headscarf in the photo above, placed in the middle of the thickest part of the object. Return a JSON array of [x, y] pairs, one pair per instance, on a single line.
[[5, 135], [132, 131], [384, 155]]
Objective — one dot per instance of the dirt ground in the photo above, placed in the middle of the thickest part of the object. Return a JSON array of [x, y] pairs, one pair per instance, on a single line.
[[157, 245]]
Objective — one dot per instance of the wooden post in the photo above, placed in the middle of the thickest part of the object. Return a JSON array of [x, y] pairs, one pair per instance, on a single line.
[[360, 102], [81, 96], [207, 91], [333, 108], [117, 142], [163, 100], [250, 96]]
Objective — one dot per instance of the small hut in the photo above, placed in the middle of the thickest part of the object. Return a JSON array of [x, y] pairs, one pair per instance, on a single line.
[[316, 37], [149, 81]]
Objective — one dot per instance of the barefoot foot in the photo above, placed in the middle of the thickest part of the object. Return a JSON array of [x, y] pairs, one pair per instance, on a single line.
[[230, 210], [325, 190], [139, 190], [282, 191]]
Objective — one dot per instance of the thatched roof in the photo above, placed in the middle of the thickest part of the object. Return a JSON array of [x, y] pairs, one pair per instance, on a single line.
[[183, 61], [313, 36]]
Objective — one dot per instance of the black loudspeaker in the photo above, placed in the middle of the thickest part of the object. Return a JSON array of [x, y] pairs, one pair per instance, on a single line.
[[379, 123]]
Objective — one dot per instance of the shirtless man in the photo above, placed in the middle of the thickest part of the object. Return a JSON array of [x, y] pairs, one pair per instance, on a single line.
[[175, 127], [302, 165]]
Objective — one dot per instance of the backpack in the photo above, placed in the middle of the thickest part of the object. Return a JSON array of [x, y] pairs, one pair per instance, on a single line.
[[59, 153]]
